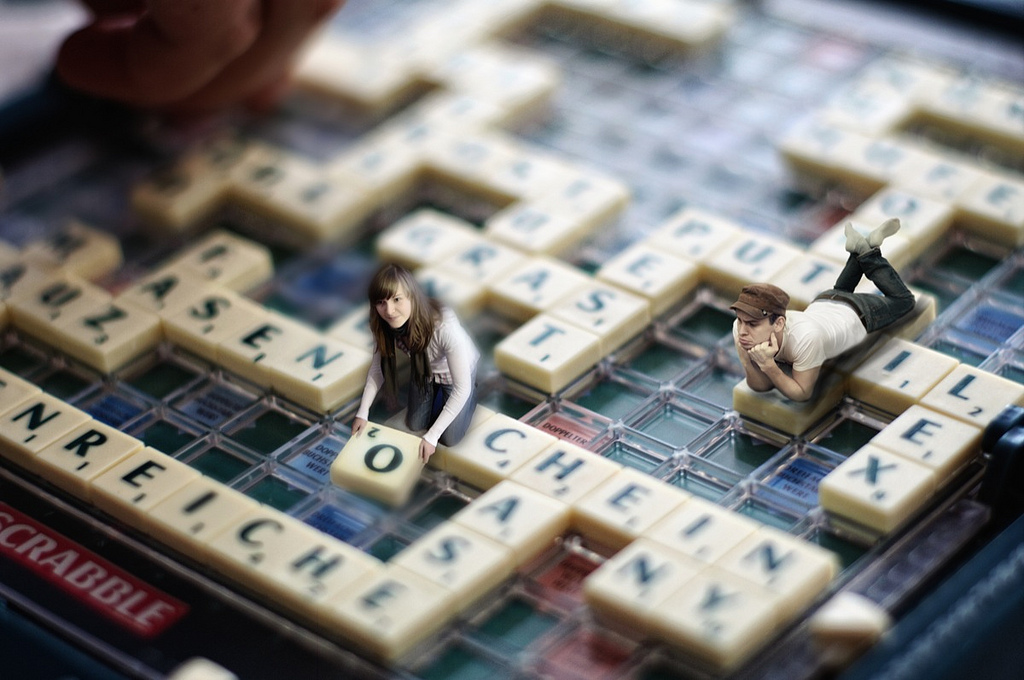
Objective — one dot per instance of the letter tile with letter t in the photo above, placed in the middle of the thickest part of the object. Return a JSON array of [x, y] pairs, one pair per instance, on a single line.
[[547, 353]]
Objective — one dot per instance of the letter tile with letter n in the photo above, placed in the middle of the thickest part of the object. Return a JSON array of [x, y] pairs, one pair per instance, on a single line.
[[639, 577], [317, 371], [795, 570], [34, 424], [876, 488], [382, 463]]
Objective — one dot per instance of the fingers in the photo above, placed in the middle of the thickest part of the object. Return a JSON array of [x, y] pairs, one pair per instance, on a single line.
[[763, 353], [102, 7], [257, 76], [426, 450], [162, 54], [269, 95], [188, 56], [260, 76]]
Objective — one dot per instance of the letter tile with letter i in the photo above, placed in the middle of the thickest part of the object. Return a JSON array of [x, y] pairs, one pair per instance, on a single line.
[[898, 375], [382, 463]]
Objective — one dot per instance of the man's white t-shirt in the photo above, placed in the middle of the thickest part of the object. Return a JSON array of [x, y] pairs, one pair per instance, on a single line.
[[823, 331]]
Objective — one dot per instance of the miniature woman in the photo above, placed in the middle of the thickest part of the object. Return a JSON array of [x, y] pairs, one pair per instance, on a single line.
[[441, 392], [836, 321]]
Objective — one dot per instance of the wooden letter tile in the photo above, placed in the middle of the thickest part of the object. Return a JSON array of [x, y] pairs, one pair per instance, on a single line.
[[382, 463], [565, 471], [547, 353], [624, 506], [898, 374], [459, 559], [523, 520], [876, 488]]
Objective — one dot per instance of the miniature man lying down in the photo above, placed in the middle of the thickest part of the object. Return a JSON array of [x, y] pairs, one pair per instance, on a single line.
[[836, 321]]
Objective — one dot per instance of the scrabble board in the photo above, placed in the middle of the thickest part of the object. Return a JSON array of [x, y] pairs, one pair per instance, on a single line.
[[588, 184]]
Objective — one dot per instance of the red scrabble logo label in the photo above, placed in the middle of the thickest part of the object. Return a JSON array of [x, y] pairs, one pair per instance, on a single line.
[[86, 576]]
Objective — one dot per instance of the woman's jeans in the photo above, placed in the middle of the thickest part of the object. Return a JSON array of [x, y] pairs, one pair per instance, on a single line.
[[425, 405]]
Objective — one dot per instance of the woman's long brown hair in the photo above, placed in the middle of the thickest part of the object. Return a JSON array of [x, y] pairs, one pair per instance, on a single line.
[[426, 314]]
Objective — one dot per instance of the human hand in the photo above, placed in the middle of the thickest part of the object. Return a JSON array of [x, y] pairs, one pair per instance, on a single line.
[[358, 425], [426, 450], [763, 354], [190, 56]]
